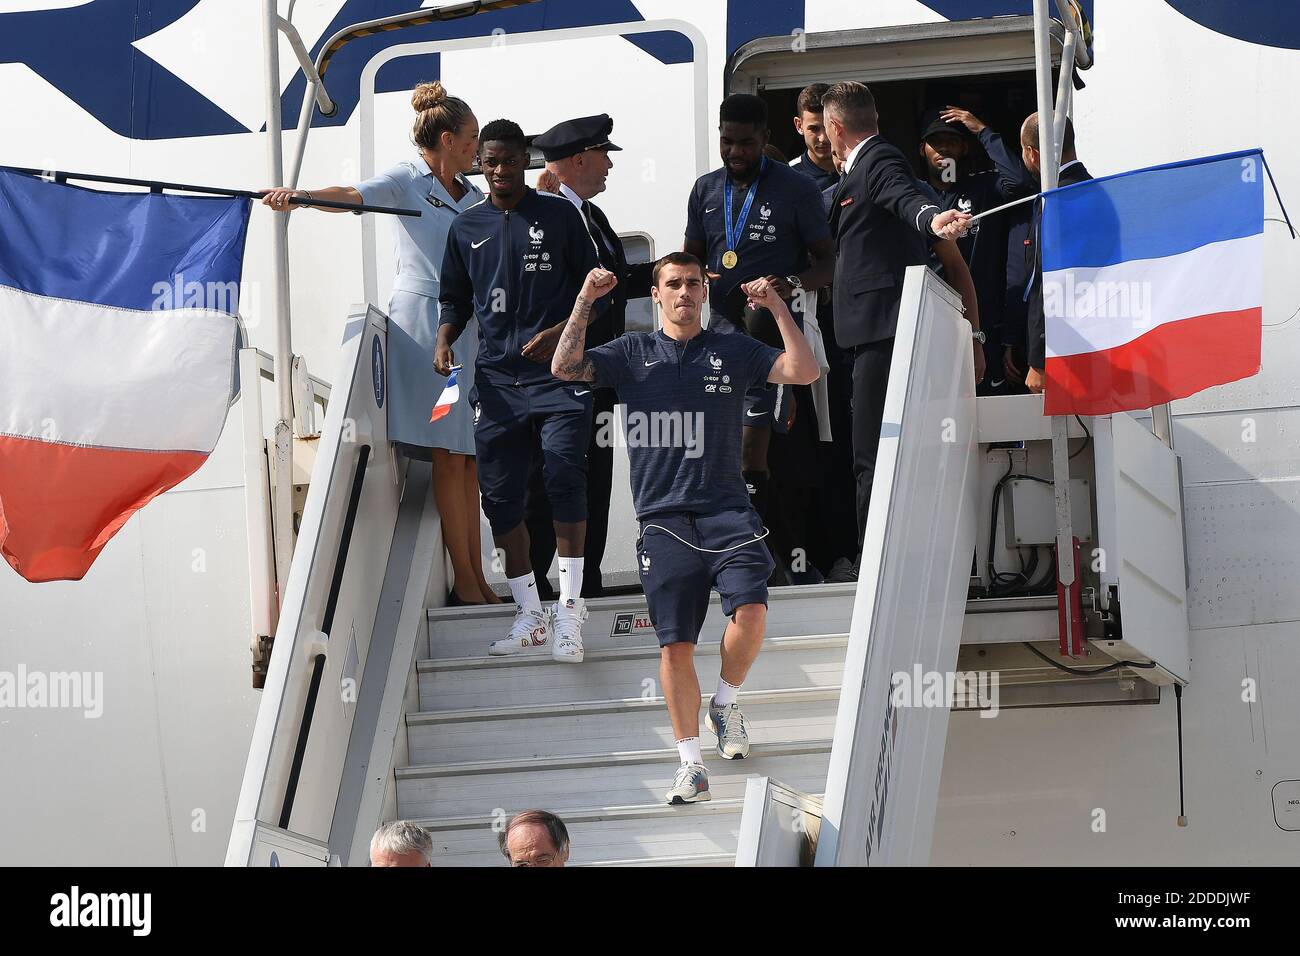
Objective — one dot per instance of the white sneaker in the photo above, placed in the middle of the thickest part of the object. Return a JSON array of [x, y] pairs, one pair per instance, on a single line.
[[690, 785], [567, 623], [530, 629]]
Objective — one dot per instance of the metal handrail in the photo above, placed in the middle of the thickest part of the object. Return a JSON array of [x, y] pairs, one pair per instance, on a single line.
[[327, 625], [316, 75]]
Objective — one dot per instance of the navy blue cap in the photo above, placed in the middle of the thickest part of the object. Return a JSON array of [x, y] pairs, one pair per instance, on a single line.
[[576, 136], [931, 123]]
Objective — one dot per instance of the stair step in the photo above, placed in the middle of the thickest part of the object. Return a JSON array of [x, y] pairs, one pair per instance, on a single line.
[[467, 631], [700, 859], [683, 831], [559, 784], [648, 812], [615, 673], [609, 726]]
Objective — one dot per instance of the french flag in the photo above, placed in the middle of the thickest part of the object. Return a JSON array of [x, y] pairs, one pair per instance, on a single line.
[[449, 397], [118, 341], [1153, 284]]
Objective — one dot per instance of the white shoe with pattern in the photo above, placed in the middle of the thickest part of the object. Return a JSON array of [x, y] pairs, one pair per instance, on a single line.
[[567, 623], [530, 629]]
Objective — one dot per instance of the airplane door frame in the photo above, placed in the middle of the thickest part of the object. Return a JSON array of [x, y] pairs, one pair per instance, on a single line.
[[700, 62]]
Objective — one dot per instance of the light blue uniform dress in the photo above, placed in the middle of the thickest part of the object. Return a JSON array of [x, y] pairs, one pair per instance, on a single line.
[[414, 386]]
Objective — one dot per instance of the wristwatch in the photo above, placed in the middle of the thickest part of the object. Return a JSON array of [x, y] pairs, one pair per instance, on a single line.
[[795, 282], [979, 336]]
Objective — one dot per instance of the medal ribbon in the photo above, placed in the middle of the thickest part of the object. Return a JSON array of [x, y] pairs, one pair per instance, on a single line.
[[735, 231]]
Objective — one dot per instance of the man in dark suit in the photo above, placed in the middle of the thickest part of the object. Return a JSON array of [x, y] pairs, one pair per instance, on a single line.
[[881, 221], [1072, 171], [578, 163]]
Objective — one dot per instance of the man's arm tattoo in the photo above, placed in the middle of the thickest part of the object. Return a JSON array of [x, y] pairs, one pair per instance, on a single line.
[[569, 363]]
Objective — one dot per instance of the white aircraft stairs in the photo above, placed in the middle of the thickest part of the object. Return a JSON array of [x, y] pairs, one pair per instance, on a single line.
[[380, 704]]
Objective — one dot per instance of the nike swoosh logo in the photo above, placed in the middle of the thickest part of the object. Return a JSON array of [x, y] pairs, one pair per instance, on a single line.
[[655, 362], [707, 211], [475, 245], [585, 391], [753, 414]]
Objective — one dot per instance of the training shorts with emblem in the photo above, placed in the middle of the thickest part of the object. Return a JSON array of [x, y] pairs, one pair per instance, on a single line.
[[682, 556], [506, 421]]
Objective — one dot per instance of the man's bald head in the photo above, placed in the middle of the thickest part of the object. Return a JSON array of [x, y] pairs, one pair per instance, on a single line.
[[1029, 144]]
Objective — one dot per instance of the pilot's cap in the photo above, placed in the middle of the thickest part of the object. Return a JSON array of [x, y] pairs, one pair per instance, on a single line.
[[576, 136]]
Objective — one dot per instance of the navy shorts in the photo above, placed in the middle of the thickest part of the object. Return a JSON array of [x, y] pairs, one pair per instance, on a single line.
[[507, 419], [682, 557]]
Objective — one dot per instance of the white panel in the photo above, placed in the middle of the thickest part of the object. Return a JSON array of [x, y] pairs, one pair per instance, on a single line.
[[883, 783], [1140, 533], [1098, 786], [1241, 539], [1256, 445]]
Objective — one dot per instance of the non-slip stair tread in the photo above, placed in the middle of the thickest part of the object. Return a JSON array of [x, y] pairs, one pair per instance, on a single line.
[[576, 760], [684, 832], [809, 668], [514, 711], [648, 650], [468, 632], [635, 811], [559, 790], [641, 728], [631, 602]]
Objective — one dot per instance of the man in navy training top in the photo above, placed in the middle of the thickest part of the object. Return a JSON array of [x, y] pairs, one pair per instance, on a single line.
[[751, 219], [514, 261], [948, 142], [685, 388]]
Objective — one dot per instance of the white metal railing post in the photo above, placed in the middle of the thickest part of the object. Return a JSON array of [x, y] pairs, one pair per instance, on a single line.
[[282, 513], [1064, 90], [1049, 168], [1162, 424]]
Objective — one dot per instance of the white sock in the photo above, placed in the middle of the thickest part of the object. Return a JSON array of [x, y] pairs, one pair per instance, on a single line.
[[689, 750], [570, 579], [726, 694], [524, 591]]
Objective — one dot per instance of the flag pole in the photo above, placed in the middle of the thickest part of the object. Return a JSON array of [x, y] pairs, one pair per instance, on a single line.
[[282, 512], [157, 186], [1049, 168]]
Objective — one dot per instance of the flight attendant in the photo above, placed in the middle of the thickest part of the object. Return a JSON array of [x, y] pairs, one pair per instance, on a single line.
[[446, 135]]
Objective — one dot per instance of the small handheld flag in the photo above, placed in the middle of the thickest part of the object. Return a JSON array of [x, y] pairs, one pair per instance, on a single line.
[[449, 397]]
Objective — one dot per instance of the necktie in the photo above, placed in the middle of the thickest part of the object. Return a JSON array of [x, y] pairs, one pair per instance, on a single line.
[[603, 252]]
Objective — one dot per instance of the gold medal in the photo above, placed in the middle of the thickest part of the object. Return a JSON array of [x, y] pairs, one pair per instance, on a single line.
[[729, 259]]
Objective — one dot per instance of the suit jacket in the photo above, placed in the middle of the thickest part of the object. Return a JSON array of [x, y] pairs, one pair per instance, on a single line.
[[880, 220], [633, 283], [1035, 332]]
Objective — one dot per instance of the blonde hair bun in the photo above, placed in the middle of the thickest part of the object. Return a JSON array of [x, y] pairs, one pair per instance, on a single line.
[[427, 96]]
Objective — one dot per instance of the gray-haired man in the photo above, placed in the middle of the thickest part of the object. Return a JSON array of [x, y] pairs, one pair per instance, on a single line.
[[401, 843]]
